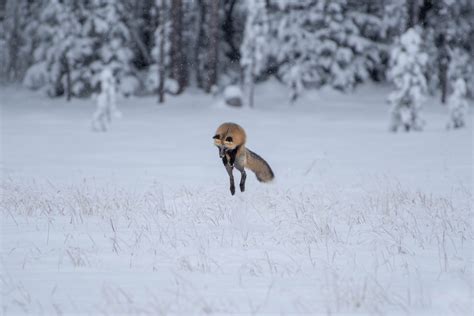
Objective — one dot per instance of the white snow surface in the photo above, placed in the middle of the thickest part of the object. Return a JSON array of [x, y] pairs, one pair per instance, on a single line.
[[140, 220]]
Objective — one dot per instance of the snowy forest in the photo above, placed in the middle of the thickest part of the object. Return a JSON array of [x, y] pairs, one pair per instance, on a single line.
[[163, 47]]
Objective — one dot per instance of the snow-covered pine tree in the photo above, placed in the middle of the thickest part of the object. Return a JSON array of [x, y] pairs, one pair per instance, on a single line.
[[407, 67], [74, 41], [394, 16], [458, 105], [254, 48], [14, 39], [324, 38], [58, 50], [105, 23], [355, 54], [462, 66]]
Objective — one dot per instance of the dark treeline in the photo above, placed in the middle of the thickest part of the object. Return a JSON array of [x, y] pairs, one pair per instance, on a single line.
[[164, 46]]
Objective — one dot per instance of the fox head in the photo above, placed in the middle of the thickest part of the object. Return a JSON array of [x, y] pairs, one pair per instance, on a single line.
[[228, 137]]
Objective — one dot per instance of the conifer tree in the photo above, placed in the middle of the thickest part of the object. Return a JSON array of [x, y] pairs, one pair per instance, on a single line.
[[407, 68], [254, 46]]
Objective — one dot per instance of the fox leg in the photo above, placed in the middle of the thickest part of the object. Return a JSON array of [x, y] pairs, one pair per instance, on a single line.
[[231, 178], [242, 180], [243, 176]]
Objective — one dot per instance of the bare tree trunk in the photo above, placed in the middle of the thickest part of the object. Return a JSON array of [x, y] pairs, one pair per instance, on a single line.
[[250, 78], [200, 43], [142, 22], [140, 44], [443, 63], [424, 10], [411, 13], [178, 59], [12, 72], [213, 45], [229, 31], [161, 62], [67, 70], [251, 90]]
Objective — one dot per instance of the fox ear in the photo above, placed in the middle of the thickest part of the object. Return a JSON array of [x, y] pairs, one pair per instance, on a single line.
[[216, 137], [229, 139]]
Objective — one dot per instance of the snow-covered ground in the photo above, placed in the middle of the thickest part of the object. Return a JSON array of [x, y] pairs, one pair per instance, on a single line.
[[139, 220]]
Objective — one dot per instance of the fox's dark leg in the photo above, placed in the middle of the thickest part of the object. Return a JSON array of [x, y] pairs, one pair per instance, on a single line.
[[242, 180], [229, 168], [231, 178], [243, 176]]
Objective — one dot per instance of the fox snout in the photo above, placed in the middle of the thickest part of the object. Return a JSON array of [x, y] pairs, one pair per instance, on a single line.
[[222, 151]]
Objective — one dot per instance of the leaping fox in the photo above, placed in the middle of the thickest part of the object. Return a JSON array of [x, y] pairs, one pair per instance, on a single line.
[[230, 139]]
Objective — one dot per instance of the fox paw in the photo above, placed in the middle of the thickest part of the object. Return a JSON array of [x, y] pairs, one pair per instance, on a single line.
[[232, 190], [242, 188]]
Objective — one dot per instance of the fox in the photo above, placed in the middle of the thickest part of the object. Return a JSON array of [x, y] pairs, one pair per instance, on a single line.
[[230, 139]]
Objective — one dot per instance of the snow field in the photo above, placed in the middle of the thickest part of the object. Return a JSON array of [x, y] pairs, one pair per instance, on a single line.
[[139, 220], [94, 250]]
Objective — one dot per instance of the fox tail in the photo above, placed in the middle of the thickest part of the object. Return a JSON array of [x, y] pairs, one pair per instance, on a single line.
[[259, 166]]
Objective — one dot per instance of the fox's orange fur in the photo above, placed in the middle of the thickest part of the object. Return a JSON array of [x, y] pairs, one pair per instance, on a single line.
[[230, 138]]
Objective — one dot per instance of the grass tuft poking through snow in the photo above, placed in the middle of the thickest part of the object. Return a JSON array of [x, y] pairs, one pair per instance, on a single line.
[[102, 249]]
